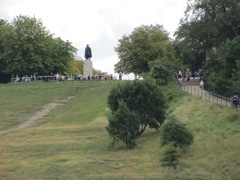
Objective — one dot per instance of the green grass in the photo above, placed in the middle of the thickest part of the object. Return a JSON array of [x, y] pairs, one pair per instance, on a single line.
[[71, 141], [216, 137]]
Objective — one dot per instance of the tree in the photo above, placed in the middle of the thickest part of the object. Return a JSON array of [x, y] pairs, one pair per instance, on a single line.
[[175, 138], [191, 54], [219, 22], [6, 37], [123, 126], [145, 105], [145, 44], [171, 155], [76, 66], [224, 67], [162, 70], [173, 131], [31, 48], [217, 19]]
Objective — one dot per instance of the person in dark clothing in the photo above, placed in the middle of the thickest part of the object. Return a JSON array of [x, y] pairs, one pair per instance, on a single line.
[[88, 52], [235, 100]]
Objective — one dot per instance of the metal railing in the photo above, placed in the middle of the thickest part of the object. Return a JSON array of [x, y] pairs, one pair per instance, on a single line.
[[206, 95]]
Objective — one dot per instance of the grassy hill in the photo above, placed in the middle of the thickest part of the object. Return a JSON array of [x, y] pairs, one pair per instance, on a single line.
[[71, 142]]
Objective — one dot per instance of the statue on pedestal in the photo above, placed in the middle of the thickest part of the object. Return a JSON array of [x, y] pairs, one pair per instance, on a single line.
[[87, 64], [88, 52]]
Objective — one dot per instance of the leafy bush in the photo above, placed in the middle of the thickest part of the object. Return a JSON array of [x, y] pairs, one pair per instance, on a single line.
[[161, 70], [123, 126], [171, 155], [173, 131], [138, 104]]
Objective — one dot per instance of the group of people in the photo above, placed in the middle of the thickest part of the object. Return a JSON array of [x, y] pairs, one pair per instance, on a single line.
[[24, 78], [184, 74], [60, 77]]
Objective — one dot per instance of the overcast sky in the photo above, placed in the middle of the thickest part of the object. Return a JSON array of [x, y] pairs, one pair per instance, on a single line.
[[99, 23]]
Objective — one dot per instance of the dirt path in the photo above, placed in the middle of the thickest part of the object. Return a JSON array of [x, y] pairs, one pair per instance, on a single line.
[[33, 119]]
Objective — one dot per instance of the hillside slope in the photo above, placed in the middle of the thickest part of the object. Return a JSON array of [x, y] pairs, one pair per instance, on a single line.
[[71, 142]]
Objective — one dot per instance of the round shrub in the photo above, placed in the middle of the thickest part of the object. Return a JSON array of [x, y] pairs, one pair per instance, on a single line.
[[134, 106], [144, 98], [123, 125], [174, 131]]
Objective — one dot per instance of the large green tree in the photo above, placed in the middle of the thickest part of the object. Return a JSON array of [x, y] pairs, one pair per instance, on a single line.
[[5, 38], [27, 47], [224, 68], [138, 104], [206, 27], [144, 45], [206, 24], [210, 22]]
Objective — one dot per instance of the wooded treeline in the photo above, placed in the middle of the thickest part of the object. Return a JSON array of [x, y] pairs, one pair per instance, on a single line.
[[26, 47], [207, 39]]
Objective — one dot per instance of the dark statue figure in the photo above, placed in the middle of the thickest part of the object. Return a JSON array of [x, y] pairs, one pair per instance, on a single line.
[[88, 52]]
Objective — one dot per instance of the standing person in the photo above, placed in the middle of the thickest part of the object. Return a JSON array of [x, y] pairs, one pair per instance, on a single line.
[[120, 76], [78, 76], [235, 100], [57, 76], [35, 75], [105, 76], [180, 74], [201, 84]]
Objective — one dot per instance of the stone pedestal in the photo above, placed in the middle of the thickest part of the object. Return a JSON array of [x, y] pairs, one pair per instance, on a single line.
[[87, 68]]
